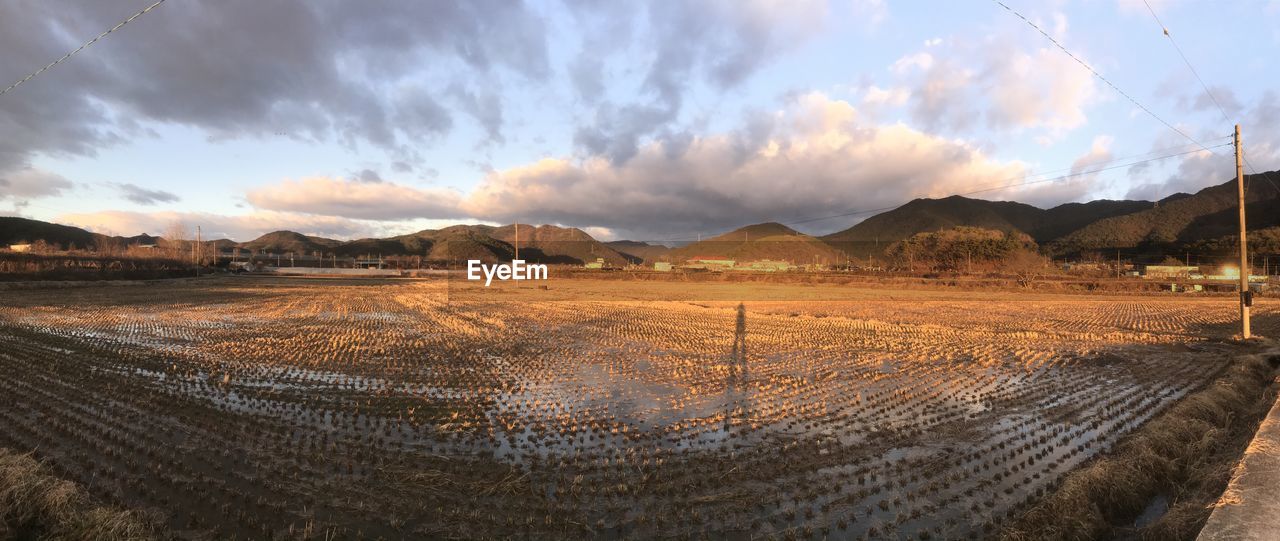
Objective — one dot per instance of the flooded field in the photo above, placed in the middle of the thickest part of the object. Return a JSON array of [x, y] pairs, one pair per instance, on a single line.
[[293, 408]]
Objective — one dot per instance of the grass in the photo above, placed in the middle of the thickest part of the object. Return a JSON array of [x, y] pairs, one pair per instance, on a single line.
[[34, 504], [1186, 454]]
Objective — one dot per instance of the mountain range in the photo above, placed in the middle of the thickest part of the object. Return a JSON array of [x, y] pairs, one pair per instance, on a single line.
[[1207, 218]]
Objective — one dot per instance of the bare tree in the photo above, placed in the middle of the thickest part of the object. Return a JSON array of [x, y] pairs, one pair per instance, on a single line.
[[109, 245], [174, 241], [1026, 266]]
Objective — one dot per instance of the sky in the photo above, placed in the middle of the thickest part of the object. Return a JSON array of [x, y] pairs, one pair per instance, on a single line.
[[659, 120]]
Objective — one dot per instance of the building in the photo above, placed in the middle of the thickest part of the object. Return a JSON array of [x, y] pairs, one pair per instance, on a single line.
[[769, 265], [597, 264], [662, 266], [20, 247], [1160, 272], [710, 263]]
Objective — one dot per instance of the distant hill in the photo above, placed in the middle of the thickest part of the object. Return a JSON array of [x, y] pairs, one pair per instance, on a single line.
[[1204, 221], [553, 244], [462, 242], [770, 240], [925, 215], [281, 242], [1208, 214], [15, 230], [639, 252]]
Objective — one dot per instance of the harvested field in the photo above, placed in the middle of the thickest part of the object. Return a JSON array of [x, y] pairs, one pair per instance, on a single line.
[[294, 408]]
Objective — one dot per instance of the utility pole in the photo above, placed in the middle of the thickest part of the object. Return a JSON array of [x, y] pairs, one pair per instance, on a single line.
[[1244, 259], [198, 247]]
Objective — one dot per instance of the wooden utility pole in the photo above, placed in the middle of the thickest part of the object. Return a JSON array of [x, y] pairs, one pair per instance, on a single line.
[[199, 250], [1244, 258]]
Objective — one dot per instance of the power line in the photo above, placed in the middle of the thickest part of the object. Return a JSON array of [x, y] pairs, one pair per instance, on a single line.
[[82, 47], [1207, 91], [1096, 74], [1186, 61]]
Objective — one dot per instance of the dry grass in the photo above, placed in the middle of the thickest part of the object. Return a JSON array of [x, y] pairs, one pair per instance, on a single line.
[[36, 505], [1187, 454]]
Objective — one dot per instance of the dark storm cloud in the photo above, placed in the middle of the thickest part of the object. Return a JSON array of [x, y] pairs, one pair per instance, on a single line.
[[309, 69], [144, 196]]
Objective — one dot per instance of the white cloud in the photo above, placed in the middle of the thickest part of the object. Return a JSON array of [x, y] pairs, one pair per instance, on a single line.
[[999, 83], [1083, 180], [876, 98], [350, 198], [213, 226], [916, 61]]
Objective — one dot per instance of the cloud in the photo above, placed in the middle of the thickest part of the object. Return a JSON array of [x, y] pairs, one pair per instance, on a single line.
[[1203, 169], [214, 226], [31, 183], [718, 43], [818, 157], [998, 83], [876, 98], [316, 70], [1082, 181], [345, 198], [366, 175], [144, 196]]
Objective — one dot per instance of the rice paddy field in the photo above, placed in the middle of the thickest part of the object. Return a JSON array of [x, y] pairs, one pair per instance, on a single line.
[[298, 408]]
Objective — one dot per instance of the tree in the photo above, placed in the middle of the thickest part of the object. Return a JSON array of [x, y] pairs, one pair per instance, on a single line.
[[959, 248], [1025, 265], [174, 241], [108, 245]]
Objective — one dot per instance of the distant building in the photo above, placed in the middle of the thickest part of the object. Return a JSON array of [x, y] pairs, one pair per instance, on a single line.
[[769, 265], [20, 247], [662, 266], [710, 263], [1085, 266], [597, 264], [1159, 272]]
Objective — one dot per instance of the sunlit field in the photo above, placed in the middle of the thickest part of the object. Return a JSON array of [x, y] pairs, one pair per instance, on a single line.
[[262, 407]]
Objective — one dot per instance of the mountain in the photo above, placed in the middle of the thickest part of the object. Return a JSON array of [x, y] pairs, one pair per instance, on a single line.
[[770, 240], [461, 242], [639, 252], [280, 242], [1211, 213], [552, 244], [924, 215], [1064, 219], [14, 230], [1204, 221]]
